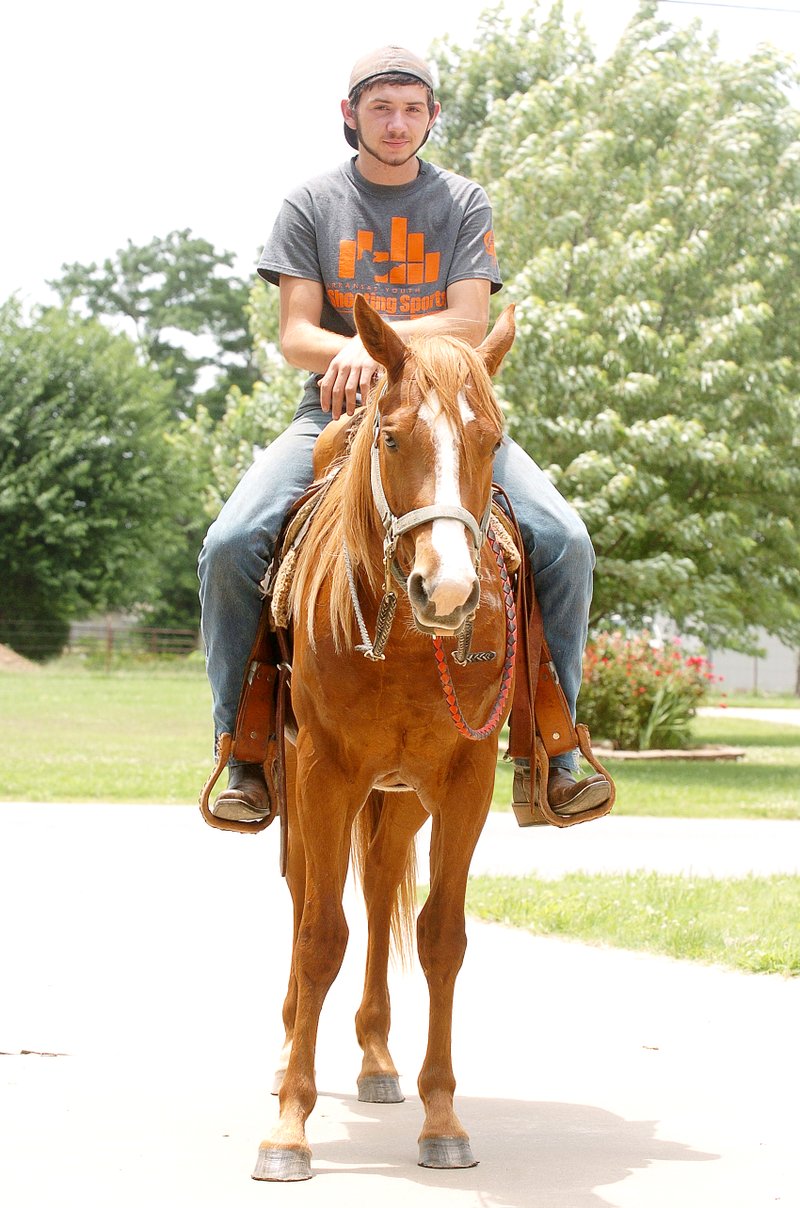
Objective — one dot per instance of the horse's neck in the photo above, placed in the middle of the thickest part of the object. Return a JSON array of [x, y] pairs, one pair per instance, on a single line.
[[331, 445]]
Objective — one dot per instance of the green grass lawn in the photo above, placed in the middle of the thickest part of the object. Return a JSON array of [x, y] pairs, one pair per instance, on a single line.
[[765, 784], [145, 735], [125, 737], [750, 924]]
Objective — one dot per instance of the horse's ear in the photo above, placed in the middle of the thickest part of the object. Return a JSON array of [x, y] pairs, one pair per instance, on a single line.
[[498, 341], [378, 338]]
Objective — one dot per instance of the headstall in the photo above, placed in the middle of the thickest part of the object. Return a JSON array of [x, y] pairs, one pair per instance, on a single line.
[[394, 527]]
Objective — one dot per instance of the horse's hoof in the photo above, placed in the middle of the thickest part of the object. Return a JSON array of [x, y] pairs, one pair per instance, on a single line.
[[282, 1164], [380, 1088], [445, 1153]]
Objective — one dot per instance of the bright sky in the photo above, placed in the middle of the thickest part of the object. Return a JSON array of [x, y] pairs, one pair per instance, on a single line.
[[129, 120]]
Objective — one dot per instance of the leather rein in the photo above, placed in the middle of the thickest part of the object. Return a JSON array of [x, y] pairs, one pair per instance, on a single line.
[[394, 527]]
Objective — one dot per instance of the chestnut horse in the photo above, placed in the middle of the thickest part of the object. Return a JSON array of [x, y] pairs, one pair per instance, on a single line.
[[402, 526]]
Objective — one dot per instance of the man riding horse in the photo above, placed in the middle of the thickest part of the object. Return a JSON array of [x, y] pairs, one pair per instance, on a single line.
[[417, 241]]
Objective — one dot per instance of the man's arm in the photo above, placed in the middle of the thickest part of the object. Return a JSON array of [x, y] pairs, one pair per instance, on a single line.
[[346, 366]]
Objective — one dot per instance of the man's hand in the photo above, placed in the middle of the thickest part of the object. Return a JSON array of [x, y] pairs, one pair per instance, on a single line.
[[351, 372], [346, 368]]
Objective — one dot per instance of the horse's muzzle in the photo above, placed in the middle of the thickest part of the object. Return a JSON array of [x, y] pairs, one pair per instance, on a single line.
[[424, 605]]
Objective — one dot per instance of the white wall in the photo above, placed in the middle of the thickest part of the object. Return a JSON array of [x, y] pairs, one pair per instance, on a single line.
[[775, 672]]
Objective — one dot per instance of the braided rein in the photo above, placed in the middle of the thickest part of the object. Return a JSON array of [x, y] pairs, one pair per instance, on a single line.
[[507, 678]]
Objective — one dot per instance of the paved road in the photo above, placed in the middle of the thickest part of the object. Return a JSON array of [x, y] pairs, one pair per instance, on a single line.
[[702, 847], [783, 717], [149, 953]]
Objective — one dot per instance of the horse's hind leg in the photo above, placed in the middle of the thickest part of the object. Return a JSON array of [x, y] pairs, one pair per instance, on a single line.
[[389, 881]]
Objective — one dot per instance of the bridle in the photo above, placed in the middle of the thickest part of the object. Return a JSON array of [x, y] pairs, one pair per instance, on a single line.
[[394, 528]]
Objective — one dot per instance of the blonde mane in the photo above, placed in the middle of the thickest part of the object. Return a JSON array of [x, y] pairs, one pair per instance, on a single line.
[[437, 364]]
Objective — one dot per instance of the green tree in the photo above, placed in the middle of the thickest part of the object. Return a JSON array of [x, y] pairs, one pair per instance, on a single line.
[[187, 310], [222, 450], [647, 214], [215, 453], [86, 504], [506, 60]]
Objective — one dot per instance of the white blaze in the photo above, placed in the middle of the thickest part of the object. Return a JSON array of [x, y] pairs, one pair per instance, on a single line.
[[452, 543]]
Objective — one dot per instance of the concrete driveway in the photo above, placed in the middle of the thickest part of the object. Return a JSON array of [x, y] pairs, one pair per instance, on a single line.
[[783, 717], [144, 963]]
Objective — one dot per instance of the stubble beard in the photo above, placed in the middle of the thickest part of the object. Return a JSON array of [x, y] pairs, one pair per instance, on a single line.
[[393, 160]]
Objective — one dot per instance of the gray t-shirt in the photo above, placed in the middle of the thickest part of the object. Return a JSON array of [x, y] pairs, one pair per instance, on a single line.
[[399, 245]]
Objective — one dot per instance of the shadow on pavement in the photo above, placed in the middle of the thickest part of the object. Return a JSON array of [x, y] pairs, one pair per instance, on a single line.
[[529, 1153]]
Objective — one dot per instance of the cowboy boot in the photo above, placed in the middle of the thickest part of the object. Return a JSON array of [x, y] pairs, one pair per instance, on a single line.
[[247, 797], [565, 795]]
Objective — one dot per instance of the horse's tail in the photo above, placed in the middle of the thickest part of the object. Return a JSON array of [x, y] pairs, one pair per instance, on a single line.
[[404, 907]]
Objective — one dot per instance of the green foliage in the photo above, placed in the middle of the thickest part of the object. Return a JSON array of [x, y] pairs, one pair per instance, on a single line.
[[504, 62], [639, 694], [214, 453], [86, 503], [647, 215], [172, 288], [221, 451]]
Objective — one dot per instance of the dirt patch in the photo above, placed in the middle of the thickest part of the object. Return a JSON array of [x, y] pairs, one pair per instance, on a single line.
[[11, 661]]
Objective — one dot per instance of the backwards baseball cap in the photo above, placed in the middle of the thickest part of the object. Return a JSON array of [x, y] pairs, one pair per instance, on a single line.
[[386, 61]]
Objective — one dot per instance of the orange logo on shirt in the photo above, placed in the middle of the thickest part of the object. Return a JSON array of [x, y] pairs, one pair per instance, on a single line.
[[488, 242], [407, 261]]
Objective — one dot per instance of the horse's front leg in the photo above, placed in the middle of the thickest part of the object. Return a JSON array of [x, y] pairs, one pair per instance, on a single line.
[[324, 814], [296, 882], [442, 942], [389, 866]]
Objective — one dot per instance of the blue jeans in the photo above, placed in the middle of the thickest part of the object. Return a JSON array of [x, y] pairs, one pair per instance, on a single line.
[[239, 544]]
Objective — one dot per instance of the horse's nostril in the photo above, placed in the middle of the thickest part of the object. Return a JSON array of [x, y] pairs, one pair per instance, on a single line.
[[416, 590]]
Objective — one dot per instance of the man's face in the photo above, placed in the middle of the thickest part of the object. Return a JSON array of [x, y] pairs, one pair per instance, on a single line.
[[391, 121]]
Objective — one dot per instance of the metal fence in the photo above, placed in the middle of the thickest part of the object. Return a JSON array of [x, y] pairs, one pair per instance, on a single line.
[[101, 641], [118, 639]]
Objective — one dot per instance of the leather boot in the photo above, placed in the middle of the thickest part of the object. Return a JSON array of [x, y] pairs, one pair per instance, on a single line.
[[567, 796], [246, 799]]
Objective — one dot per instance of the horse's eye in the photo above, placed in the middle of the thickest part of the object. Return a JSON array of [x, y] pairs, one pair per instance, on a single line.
[[389, 441], [497, 447]]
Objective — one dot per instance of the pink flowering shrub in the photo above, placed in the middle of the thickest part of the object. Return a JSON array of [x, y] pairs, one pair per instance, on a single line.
[[638, 694]]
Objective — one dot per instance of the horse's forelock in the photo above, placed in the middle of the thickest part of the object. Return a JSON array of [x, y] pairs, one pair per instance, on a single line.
[[445, 365]]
